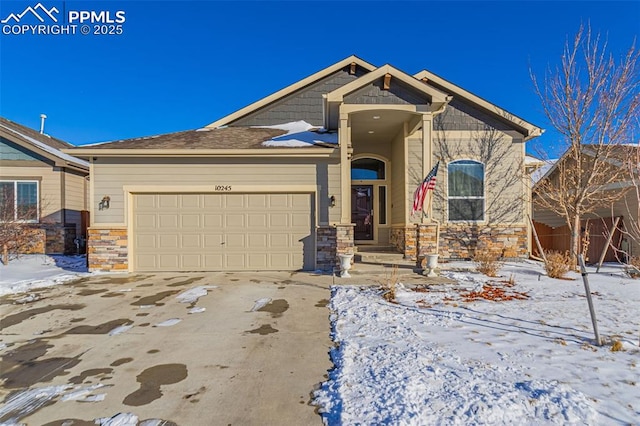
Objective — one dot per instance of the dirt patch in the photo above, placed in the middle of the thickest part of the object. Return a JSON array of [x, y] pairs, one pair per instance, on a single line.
[[263, 330], [76, 380], [31, 373], [276, 308], [21, 316], [120, 361], [113, 294], [70, 422], [89, 291], [103, 328], [154, 299], [322, 303], [185, 282], [150, 381]]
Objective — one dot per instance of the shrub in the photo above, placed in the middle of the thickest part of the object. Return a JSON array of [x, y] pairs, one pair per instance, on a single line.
[[389, 284], [557, 264], [487, 262], [633, 267]]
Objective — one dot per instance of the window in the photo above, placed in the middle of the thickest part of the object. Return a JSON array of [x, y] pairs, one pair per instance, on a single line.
[[466, 190], [367, 169], [19, 201]]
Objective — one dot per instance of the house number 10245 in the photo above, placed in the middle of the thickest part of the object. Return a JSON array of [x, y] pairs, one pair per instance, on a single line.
[[225, 188]]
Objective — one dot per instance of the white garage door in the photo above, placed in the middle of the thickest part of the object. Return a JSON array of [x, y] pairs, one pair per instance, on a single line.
[[223, 232]]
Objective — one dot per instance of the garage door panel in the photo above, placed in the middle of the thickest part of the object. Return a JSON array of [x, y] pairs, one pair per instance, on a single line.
[[279, 220], [235, 261], [168, 261], [234, 201], [234, 221], [189, 232], [257, 201], [257, 221], [190, 221], [213, 220], [191, 261], [234, 241], [168, 220], [189, 201], [191, 241], [257, 241], [146, 221], [168, 200], [145, 201], [168, 241]]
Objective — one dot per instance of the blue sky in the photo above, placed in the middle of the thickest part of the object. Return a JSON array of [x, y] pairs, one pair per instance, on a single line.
[[182, 64]]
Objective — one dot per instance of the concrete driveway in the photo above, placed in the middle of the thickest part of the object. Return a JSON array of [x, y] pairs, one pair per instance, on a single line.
[[131, 346]]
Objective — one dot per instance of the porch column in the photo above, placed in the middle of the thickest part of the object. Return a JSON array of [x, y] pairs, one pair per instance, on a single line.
[[344, 133], [427, 156]]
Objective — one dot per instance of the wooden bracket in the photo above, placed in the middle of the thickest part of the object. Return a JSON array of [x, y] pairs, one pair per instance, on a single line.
[[424, 80], [387, 81], [352, 69]]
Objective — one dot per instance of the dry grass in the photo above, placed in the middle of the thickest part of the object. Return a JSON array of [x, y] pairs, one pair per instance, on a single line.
[[557, 264], [633, 267], [389, 283], [487, 262], [617, 346]]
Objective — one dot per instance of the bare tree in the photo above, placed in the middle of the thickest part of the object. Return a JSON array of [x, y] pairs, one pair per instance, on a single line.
[[593, 101], [17, 235], [489, 144]]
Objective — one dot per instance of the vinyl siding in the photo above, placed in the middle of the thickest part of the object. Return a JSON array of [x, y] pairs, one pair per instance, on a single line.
[[398, 183], [110, 175], [50, 201], [397, 94], [304, 104]]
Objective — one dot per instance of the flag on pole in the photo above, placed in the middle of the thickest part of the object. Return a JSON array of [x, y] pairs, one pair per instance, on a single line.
[[429, 183]]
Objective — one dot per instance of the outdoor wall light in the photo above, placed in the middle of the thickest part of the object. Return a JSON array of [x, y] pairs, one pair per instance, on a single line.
[[332, 201], [104, 204]]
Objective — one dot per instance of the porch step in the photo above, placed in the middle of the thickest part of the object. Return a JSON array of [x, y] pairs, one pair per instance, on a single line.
[[380, 255]]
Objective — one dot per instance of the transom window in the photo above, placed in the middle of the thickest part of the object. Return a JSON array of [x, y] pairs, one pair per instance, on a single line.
[[367, 169], [19, 201], [466, 190]]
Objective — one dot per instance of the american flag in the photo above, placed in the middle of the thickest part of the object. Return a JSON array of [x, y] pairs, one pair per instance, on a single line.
[[429, 183]]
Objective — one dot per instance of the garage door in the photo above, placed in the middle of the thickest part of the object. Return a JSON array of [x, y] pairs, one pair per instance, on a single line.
[[223, 232]]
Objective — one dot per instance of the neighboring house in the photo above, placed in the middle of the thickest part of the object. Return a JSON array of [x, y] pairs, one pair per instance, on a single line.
[[552, 229], [326, 164], [43, 187]]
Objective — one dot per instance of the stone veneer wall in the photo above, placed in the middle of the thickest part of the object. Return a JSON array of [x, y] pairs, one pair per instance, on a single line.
[[50, 238], [107, 249], [511, 241], [332, 241]]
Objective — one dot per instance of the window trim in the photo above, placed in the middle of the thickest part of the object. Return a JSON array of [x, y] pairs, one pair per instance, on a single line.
[[15, 198], [483, 197]]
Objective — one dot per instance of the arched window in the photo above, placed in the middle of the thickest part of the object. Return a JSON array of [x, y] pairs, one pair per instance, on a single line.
[[367, 169], [466, 190]]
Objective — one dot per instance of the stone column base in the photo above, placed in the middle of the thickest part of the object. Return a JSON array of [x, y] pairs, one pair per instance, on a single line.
[[107, 249]]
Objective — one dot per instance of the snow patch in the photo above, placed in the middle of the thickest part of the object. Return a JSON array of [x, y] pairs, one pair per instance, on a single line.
[[260, 303], [300, 134], [168, 323], [196, 310], [120, 329], [192, 295]]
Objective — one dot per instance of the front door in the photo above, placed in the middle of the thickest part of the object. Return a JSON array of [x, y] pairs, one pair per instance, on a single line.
[[362, 211]]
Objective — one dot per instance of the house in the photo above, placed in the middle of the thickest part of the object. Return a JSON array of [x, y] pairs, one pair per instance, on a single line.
[[43, 188], [319, 168], [553, 231]]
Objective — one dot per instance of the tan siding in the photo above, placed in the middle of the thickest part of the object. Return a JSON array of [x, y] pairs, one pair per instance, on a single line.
[[49, 188], [334, 189], [414, 170], [112, 174], [398, 184], [499, 198]]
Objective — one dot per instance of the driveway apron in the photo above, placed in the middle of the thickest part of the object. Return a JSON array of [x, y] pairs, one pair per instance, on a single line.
[[238, 348]]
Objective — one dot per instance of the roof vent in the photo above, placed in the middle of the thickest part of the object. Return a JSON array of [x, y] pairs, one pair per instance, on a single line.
[[42, 118]]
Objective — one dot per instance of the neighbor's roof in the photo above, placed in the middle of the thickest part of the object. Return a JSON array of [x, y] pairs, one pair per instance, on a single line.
[[42, 144]]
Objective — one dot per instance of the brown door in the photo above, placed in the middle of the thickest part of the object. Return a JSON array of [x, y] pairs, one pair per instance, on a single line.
[[362, 211]]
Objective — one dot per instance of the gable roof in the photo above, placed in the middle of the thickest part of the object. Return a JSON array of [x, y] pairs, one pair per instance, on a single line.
[[41, 144], [291, 89], [530, 130]]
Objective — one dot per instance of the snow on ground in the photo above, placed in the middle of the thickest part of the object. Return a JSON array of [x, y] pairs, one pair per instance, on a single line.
[[38, 270], [444, 355], [300, 134]]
